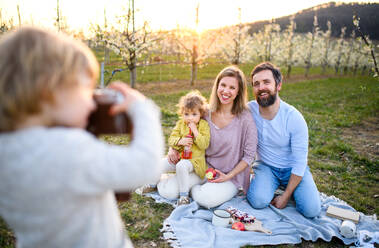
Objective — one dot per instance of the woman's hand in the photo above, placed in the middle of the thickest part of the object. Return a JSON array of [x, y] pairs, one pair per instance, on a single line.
[[173, 156], [221, 177], [131, 95], [185, 142]]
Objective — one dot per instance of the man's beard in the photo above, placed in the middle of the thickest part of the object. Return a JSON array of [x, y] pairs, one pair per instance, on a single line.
[[267, 101]]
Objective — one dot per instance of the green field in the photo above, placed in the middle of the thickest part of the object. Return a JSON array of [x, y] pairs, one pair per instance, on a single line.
[[342, 116], [332, 107], [207, 69]]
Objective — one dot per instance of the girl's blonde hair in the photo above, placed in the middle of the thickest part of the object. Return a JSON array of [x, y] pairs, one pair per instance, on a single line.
[[192, 100], [34, 64], [240, 102]]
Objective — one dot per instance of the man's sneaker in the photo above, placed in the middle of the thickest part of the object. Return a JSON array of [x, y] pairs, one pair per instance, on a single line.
[[148, 189], [183, 200]]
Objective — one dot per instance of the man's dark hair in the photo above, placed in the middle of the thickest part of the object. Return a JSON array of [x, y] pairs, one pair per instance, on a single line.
[[268, 66]]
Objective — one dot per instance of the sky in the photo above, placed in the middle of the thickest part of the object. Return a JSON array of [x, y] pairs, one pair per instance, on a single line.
[[161, 14]]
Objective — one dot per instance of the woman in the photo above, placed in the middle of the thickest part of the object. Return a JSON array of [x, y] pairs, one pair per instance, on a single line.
[[233, 141]]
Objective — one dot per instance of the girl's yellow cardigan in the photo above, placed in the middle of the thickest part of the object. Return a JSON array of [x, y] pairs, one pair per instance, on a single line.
[[200, 143]]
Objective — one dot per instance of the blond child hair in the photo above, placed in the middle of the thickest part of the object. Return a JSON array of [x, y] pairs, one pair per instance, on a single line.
[[192, 100], [34, 64]]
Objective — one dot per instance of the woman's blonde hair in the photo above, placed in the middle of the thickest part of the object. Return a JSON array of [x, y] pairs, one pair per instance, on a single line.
[[239, 104], [34, 64], [192, 100]]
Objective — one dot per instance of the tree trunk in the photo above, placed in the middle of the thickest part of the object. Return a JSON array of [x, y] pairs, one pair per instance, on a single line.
[[289, 68], [323, 69], [133, 77], [363, 70], [106, 55], [337, 67], [194, 65], [355, 68], [193, 73]]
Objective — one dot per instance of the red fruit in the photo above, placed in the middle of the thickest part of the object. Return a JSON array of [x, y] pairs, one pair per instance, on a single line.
[[210, 173], [238, 226]]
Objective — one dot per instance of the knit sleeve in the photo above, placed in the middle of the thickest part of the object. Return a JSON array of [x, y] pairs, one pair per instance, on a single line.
[[175, 136], [202, 140]]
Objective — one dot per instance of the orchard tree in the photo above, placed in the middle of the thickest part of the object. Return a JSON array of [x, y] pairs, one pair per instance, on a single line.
[[340, 48], [350, 52], [60, 21], [234, 43], [127, 40], [5, 25], [257, 48], [311, 37], [266, 44], [289, 35], [19, 15], [196, 46], [271, 32], [327, 40], [368, 44]]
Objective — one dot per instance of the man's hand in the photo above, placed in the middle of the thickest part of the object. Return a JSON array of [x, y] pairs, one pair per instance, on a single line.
[[280, 201]]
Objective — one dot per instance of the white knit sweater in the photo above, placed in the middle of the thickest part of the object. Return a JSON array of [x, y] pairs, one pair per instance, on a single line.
[[57, 184]]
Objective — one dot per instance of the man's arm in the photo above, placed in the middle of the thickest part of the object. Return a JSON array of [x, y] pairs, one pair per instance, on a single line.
[[298, 130]]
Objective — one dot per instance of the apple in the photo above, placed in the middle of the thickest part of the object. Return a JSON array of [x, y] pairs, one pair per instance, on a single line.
[[238, 226], [210, 173]]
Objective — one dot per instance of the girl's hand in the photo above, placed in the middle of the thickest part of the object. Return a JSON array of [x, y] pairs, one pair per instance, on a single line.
[[194, 130], [131, 95], [185, 142], [173, 156], [221, 177]]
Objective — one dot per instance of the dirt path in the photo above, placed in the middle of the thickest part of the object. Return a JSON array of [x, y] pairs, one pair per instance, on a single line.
[[364, 138], [204, 84]]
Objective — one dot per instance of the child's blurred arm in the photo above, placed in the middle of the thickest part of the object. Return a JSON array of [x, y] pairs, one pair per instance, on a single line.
[[203, 137], [102, 167]]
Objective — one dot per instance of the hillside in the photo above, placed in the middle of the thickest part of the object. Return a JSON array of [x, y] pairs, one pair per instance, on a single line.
[[340, 15]]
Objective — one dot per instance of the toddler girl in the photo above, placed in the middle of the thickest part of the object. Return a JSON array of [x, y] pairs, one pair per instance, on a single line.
[[57, 181], [190, 132]]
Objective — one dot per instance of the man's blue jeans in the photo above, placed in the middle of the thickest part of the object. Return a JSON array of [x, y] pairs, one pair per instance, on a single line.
[[267, 179]]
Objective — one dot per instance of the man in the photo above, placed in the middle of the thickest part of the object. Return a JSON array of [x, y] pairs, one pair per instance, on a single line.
[[282, 148]]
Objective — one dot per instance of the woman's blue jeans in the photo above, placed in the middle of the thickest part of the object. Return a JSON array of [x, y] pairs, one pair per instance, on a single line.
[[267, 179]]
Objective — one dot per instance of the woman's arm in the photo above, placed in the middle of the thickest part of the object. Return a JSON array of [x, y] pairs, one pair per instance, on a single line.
[[222, 177]]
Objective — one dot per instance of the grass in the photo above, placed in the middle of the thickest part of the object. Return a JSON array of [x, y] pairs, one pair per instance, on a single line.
[[330, 107]]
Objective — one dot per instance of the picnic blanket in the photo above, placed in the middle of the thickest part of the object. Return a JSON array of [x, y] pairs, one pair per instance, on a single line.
[[190, 225]]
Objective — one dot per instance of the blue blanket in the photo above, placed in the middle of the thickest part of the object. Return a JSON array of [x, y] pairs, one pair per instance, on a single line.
[[190, 225]]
